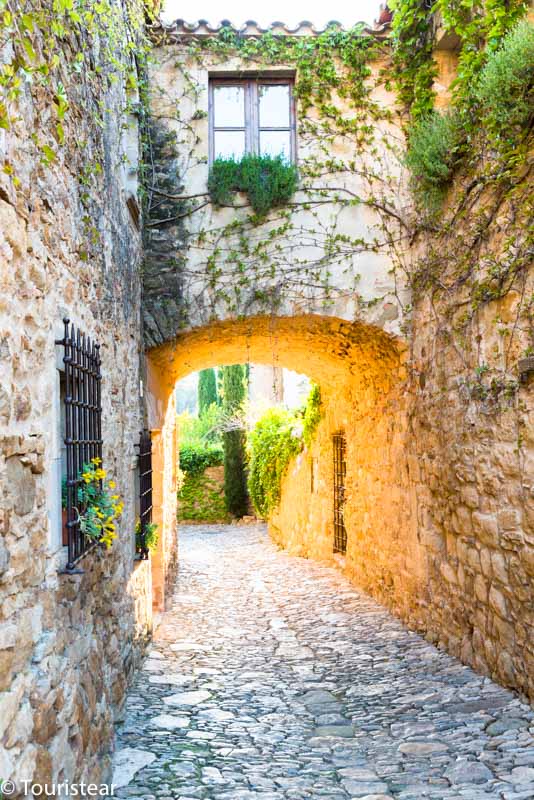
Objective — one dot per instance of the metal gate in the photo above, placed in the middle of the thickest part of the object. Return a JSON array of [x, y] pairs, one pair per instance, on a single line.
[[340, 471]]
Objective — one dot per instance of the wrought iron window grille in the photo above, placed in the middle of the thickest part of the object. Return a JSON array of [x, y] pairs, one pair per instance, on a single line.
[[83, 430], [145, 491], [340, 470]]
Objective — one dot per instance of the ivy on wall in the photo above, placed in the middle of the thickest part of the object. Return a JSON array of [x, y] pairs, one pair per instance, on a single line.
[[278, 436], [253, 258], [479, 27]]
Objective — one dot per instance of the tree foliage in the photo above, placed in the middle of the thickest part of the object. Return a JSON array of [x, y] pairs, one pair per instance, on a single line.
[[207, 390], [235, 485]]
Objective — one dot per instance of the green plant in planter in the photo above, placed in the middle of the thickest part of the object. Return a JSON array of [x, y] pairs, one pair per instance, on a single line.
[[151, 537], [269, 181]]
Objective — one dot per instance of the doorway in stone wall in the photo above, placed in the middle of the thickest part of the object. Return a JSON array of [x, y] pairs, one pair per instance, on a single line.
[[340, 470]]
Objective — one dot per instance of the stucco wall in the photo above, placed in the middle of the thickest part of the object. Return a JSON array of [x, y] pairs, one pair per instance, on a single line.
[[195, 268]]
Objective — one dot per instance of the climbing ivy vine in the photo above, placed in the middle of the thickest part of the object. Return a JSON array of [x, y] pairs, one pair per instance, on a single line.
[[479, 27], [286, 247], [66, 66]]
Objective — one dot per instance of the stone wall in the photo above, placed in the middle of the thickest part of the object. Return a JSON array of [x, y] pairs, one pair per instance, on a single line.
[[384, 553], [68, 247], [439, 509], [471, 424]]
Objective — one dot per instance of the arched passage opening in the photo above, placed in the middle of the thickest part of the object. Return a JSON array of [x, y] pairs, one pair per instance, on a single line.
[[359, 369]]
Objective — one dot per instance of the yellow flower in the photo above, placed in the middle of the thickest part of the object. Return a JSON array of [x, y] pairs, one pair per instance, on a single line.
[[87, 476], [96, 460], [112, 484]]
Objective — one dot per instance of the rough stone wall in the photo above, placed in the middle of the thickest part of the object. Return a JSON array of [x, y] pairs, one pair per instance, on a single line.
[[384, 554], [471, 423], [439, 510], [68, 644], [165, 502]]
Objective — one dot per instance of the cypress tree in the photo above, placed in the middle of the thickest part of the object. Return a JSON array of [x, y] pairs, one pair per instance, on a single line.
[[235, 482], [207, 390]]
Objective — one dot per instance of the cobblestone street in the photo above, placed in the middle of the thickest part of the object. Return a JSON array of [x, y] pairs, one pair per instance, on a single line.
[[272, 677]]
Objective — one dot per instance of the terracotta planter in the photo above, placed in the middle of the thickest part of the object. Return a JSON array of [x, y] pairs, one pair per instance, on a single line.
[[64, 529]]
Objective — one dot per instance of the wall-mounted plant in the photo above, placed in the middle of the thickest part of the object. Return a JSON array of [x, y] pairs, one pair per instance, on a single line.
[[269, 181], [99, 506], [150, 540]]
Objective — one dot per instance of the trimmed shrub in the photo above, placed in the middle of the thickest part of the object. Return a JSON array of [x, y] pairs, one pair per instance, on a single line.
[[235, 485], [201, 499], [269, 181], [194, 458]]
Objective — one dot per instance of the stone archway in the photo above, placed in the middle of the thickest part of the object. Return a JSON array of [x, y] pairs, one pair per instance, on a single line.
[[360, 370]]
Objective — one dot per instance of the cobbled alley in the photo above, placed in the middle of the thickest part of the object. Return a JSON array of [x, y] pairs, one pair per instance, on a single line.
[[272, 677]]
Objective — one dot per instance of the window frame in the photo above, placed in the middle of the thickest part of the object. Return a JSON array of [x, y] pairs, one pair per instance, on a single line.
[[251, 84]]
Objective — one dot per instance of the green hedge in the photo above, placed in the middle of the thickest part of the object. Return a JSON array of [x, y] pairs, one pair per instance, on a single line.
[[201, 499], [194, 459]]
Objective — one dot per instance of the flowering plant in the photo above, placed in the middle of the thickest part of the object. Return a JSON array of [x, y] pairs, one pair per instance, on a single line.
[[100, 507]]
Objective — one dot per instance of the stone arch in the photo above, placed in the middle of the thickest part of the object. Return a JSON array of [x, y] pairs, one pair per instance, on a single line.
[[360, 370]]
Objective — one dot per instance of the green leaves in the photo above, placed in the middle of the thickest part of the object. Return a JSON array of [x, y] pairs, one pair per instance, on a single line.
[[505, 88], [269, 181], [434, 146], [272, 443]]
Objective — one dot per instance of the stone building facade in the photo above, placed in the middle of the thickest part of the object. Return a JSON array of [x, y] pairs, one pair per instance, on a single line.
[[69, 247], [437, 495]]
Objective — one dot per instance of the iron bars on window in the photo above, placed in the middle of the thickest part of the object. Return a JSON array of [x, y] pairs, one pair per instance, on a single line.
[[145, 491], [83, 428], [340, 471]]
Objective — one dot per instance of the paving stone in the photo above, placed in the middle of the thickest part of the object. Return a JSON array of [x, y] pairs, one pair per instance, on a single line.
[[169, 722], [187, 698], [468, 772], [297, 687], [127, 762]]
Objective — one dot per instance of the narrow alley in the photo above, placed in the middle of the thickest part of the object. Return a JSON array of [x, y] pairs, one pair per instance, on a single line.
[[272, 677]]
